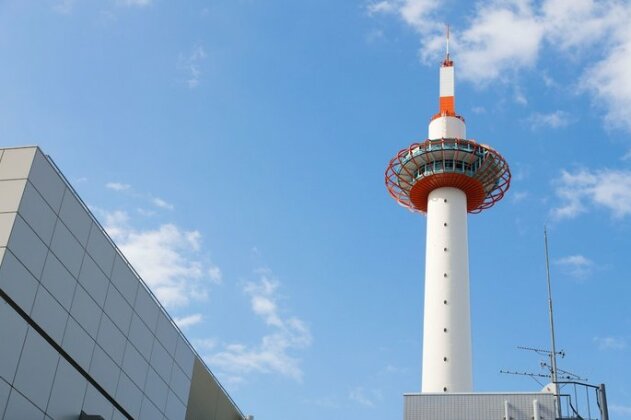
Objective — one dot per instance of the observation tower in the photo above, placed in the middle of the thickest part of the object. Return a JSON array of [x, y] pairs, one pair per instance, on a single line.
[[445, 177]]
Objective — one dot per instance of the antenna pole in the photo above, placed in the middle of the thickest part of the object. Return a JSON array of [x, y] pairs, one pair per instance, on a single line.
[[553, 354], [447, 43]]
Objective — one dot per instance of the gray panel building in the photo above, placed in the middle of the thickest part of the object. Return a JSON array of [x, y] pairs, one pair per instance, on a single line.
[[480, 406], [81, 335]]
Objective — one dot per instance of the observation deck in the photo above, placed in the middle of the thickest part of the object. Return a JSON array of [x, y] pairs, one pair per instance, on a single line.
[[476, 169]]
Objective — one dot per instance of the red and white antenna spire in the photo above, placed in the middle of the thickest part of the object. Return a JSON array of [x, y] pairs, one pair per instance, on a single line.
[[447, 104], [446, 123]]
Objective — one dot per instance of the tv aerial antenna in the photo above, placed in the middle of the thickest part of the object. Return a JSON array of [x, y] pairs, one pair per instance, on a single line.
[[561, 373], [553, 372]]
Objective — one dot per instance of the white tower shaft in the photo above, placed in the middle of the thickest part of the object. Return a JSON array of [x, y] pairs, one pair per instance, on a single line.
[[447, 365]]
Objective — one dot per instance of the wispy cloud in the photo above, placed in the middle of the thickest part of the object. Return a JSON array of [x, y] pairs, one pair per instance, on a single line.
[[205, 344], [384, 6], [129, 190], [188, 321], [158, 202], [578, 190], [167, 257], [367, 398], [191, 66], [576, 266], [504, 37], [610, 343], [556, 119], [134, 3], [118, 186], [276, 352]]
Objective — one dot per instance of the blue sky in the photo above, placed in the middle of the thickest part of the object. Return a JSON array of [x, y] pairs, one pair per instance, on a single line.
[[235, 150]]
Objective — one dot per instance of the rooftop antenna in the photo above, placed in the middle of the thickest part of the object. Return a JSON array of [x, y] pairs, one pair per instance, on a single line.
[[553, 353]]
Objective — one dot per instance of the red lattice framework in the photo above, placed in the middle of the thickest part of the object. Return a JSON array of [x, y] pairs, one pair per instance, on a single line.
[[478, 170]]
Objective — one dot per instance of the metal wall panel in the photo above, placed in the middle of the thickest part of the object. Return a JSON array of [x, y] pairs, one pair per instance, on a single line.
[[49, 314], [17, 282], [129, 395], [67, 249], [37, 213], [101, 250], [118, 309], [58, 281], [46, 180], [184, 357], [76, 219], [104, 370], [146, 308], [12, 336], [477, 406], [5, 390], [156, 389], [18, 407], [95, 403], [175, 409], [93, 280], [68, 392], [125, 280], [36, 369], [78, 343], [135, 365], [148, 411], [85, 311], [27, 247], [167, 334], [141, 337], [161, 361], [111, 340]]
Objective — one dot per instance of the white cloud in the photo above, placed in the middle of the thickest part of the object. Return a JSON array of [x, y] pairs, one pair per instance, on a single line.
[[384, 6], [190, 65], [188, 321], [610, 82], [367, 398], [504, 37], [577, 266], [167, 258], [627, 156], [556, 119], [610, 343], [274, 354], [134, 3], [127, 189], [158, 202], [610, 189], [118, 186]]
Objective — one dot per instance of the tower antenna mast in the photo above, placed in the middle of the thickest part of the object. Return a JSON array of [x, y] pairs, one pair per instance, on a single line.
[[553, 353], [447, 43]]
